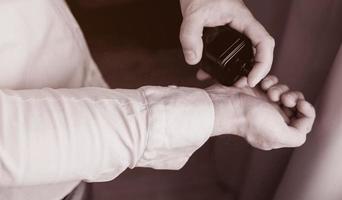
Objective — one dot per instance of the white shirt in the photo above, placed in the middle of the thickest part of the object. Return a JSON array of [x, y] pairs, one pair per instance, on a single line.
[[52, 138]]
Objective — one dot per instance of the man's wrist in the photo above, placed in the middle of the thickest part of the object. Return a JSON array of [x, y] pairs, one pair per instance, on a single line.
[[228, 111]]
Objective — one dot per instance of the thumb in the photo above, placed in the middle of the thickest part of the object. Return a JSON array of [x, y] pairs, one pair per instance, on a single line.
[[191, 40]]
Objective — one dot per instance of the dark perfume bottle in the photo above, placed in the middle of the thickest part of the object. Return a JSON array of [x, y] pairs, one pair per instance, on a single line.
[[228, 54]]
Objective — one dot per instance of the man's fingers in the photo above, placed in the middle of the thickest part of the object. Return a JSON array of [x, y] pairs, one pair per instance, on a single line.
[[263, 61], [289, 112], [306, 117], [291, 98], [264, 45], [300, 126], [191, 39], [202, 75], [268, 82], [275, 92]]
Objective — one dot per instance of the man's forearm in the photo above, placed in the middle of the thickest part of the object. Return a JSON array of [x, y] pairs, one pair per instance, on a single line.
[[93, 134]]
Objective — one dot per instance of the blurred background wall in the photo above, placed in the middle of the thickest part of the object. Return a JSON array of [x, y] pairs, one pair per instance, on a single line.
[[135, 43]]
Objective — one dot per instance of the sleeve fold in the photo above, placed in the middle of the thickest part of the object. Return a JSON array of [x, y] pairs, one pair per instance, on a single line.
[[93, 134], [180, 121]]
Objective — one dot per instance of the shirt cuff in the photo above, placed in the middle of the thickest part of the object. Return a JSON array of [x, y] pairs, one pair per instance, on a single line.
[[180, 120]]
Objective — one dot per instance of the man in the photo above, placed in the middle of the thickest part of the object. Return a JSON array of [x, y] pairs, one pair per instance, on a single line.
[[52, 138]]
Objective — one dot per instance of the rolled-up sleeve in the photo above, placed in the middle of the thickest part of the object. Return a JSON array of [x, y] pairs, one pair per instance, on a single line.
[[93, 134], [180, 120]]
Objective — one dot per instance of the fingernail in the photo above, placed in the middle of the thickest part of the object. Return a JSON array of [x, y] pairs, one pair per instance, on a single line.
[[190, 57]]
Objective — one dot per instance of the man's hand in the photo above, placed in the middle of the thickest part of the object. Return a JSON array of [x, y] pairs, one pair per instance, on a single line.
[[198, 14], [268, 118]]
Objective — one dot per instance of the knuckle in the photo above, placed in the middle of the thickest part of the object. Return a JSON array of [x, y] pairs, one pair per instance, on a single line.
[[274, 92], [191, 9], [313, 112], [273, 78], [264, 147], [273, 89], [249, 21], [301, 140], [267, 149], [270, 41], [284, 87], [281, 88], [184, 36], [270, 92], [187, 30], [299, 94], [308, 129], [283, 97], [287, 96]]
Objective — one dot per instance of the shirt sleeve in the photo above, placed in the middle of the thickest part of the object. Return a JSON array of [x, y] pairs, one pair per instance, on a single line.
[[93, 134]]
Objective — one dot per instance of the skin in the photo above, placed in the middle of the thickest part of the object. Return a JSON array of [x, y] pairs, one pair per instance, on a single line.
[[268, 117], [198, 14]]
